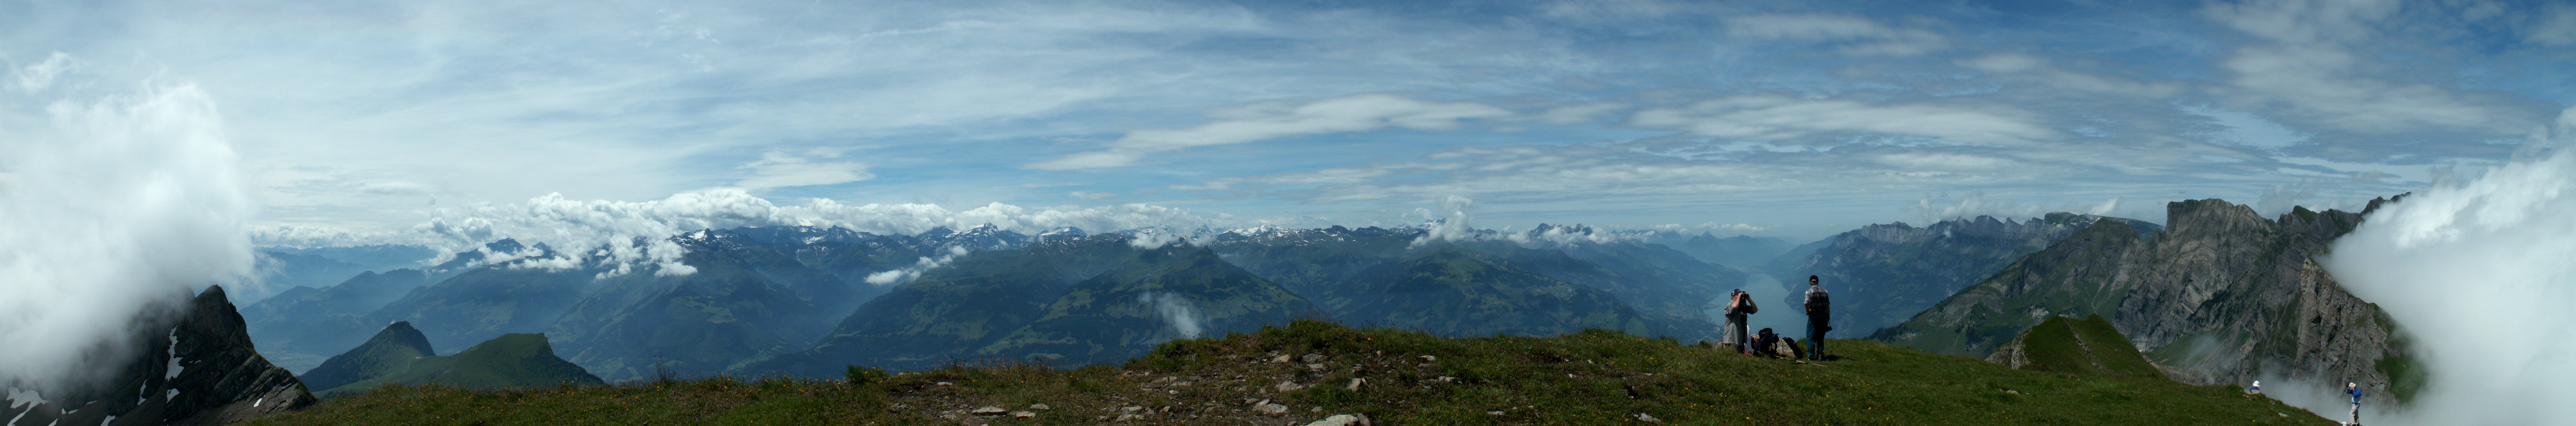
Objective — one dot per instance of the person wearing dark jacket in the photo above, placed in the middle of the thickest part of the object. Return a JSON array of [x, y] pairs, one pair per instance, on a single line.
[[1819, 313]]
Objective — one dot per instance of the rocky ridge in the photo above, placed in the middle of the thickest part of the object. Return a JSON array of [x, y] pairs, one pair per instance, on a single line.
[[194, 365], [2222, 295]]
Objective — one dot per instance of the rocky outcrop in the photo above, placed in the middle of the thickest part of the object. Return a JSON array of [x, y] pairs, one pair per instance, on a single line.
[[1882, 274], [2222, 295], [194, 365], [2226, 296]]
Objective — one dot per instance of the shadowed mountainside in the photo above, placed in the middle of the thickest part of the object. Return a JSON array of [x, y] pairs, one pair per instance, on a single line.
[[194, 365], [1882, 274]]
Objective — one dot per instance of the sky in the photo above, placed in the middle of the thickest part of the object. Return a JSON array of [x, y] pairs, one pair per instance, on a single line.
[[364, 122]]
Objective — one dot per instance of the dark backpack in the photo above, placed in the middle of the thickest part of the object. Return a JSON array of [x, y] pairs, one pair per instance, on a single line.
[[1818, 303]]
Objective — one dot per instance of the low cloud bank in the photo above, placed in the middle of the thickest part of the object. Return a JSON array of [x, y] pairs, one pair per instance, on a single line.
[[116, 210], [2479, 273]]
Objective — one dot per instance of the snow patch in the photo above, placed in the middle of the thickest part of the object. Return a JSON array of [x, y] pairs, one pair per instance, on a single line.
[[18, 398], [173, 354]]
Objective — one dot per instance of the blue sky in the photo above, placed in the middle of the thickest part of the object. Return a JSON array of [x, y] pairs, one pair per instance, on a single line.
[[360, 122]]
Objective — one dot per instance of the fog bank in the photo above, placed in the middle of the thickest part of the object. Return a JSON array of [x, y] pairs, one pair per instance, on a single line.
[[117, 204], [2482, 274]]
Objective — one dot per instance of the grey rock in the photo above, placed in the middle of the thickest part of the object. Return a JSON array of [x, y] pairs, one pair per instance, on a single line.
[[2221, 295], [219, 379]]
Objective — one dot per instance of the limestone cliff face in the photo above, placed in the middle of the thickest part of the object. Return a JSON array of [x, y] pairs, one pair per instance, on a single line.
[[2222, 295], [193, 368], [2226, 296]]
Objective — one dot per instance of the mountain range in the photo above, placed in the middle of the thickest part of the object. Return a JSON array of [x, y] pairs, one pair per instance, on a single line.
[[809, 300], [2221, 295], [1879, 275], [2212, 294]]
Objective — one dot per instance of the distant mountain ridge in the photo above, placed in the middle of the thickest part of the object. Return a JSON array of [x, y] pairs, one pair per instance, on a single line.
[[809, 300], [1880, 275]]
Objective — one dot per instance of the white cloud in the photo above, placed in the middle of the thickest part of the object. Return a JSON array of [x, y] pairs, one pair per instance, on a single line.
[[1943, 161], [1270, 120], [1580, 114], [2478, 270], [779, 169], [623, 234], [1451, 223], [1863, 36], [2310, 73], [41, 75], [1777, 118], [1177, 311], [2039, 70], [118, 206]]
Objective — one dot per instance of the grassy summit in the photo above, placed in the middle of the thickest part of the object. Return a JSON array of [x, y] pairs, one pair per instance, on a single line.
[[1405, 378]]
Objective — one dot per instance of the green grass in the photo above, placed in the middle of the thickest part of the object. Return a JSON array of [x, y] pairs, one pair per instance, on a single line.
[[1594, 377]]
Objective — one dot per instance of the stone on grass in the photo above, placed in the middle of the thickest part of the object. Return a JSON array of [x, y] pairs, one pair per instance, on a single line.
[[1337, 420], [1643, 417], [1023, 414], [988, 411]]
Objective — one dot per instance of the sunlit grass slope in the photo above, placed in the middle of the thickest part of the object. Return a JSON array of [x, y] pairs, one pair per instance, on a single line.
[[1407, 378]]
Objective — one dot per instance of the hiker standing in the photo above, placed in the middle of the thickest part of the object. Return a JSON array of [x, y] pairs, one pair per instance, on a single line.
[[2354, 389], [1819, 312], [1738, 307]]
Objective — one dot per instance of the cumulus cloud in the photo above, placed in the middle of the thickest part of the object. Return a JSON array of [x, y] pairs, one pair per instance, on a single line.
[[1270, 120], [779, 169], [120, 205], [2478, 271], [1451, 223], [1785, 119], [1860, 36]]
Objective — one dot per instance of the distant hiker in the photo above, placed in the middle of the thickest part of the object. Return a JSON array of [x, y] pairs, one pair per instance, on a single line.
[[2354, 389], [1819, 312], [1739, 305], [2256, 390], [1764, 343]]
